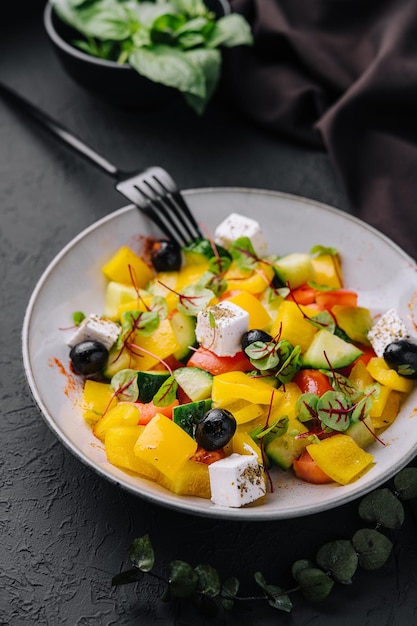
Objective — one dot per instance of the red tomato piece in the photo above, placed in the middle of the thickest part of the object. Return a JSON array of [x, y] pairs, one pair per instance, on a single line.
[[148, 410], [208, 456], [306, 469], [345, 297], [304, 295], [312, 381], [207, 360]]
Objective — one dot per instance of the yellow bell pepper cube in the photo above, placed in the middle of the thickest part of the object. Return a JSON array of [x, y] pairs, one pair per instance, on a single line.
[[242, 443], [119, 443], [389, 413], [165, 285], [287, 403], [124, 414], [232, 386], [162, 343], [328, 271], [341, 458], [165, 445], [356, 321], [383, 374], [258, 315], [191, 274], [125, 266], [291, 324], [254, 281], [244, 411], [191, 479], [379, 400], [97, 397], [360, 376]]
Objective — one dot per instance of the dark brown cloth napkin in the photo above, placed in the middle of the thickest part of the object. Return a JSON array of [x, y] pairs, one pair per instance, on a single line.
[[339, 75]]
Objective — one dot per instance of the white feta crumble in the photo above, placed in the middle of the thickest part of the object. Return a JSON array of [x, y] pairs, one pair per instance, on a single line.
[[236, 480], [235, 226], [95, 328], [390, 327], [220, 328]]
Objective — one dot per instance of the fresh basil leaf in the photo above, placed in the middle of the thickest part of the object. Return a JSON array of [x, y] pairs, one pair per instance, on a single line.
[[231, 30], [105, 19], [209, 63], [170, 67]]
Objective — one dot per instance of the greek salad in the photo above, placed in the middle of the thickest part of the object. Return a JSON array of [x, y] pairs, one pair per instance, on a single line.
[[214, 364]]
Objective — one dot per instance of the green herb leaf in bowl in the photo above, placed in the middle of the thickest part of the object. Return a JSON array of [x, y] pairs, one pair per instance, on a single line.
[[175, 43]]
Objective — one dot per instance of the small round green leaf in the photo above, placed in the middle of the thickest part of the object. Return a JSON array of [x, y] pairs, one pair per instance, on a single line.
[[373, 548], [183, 579], [338, 558], [299, 566], [141, 553], [229, 591], [208, 580], [276, 597], [315, 584], [383, 508], [405, 483]]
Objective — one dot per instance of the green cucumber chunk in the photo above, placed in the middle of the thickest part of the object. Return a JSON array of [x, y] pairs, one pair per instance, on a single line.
[[282, 451], [188, 415], [116, 362], [362, 432], [184, 330], [149, 383], [195, 382], [295, 269], [328, 351]]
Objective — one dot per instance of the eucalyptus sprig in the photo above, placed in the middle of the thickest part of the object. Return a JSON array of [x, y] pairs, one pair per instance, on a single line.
[[335, 561]]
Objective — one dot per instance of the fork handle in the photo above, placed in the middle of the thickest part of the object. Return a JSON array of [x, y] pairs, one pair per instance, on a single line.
[[59, 131]]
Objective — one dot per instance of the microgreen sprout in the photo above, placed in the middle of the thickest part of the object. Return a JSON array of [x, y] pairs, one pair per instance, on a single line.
[[192, 299]]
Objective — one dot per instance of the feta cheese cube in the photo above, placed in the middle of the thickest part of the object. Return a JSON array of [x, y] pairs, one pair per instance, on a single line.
[[95, 328], [235, 226], [236, 480], [390, 327], [220, 328]]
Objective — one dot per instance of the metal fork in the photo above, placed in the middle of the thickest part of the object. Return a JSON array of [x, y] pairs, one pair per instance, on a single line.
[[152, 191]]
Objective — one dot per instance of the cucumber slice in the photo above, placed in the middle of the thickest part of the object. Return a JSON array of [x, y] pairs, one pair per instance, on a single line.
[[184, 330], [361, 432], [117, 362], [188, 415], [195, 382], [295, 269], [282, 451], [328, 351], [149, 383]]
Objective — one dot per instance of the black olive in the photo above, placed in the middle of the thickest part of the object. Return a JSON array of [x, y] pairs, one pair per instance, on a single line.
[[89, 357], [401, 356], [215, 429], [254, 335], [166, 256]]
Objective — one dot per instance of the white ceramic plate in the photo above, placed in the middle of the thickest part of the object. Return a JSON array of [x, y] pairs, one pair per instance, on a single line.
[[383, 275]]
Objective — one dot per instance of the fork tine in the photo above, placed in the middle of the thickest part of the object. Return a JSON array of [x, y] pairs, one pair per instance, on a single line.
[[170, 207], [181, 209], [153, 208]]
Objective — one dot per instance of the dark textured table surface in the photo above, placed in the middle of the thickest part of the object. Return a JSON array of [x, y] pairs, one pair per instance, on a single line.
[[64, 530]]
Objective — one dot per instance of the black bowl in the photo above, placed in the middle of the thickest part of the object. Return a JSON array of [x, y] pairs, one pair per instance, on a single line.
[[114, 82]]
